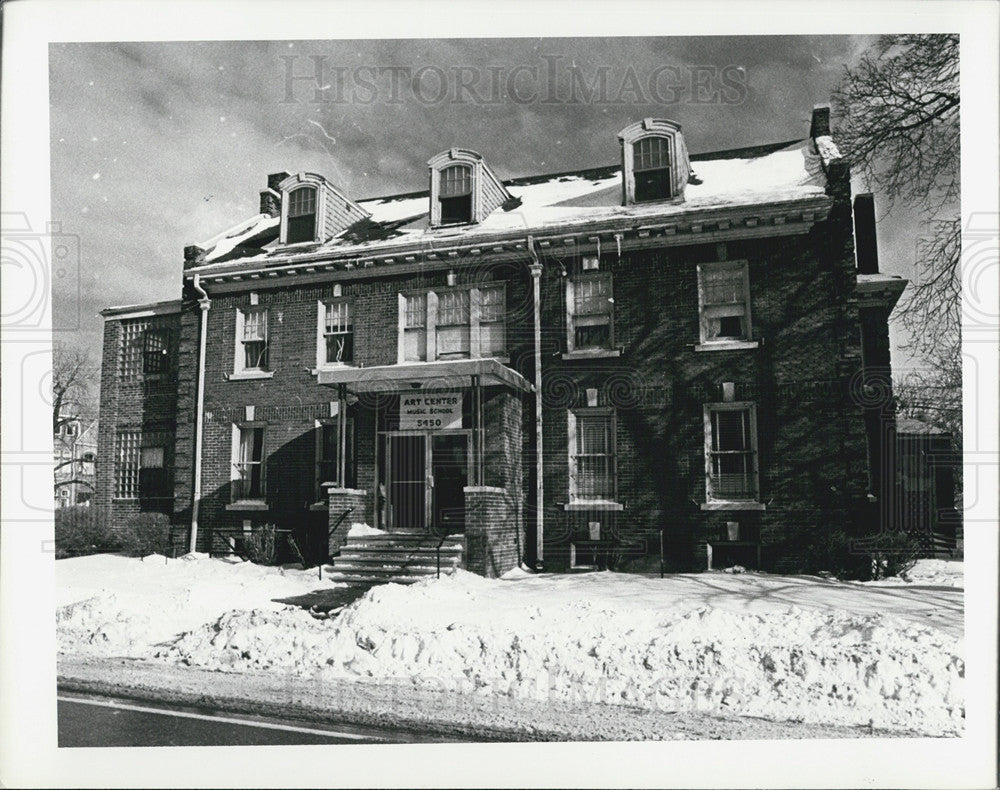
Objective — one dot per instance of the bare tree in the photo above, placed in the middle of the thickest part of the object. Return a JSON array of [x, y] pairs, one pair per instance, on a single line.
[[900, 130], [73, 376]]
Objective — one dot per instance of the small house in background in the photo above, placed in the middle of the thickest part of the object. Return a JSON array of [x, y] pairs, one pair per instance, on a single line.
[[74, 462], [678, 358]]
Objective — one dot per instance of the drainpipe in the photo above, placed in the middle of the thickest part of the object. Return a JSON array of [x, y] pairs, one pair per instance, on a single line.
[[204, 303], [536, 277]]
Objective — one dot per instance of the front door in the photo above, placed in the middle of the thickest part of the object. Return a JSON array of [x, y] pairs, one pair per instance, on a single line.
[[426, 474], [449, 476]]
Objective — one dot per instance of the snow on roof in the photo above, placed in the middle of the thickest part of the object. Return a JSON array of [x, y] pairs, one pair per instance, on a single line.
[[791, 172]]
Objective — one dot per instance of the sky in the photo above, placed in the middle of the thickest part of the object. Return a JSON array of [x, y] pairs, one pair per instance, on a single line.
[[155, 146]]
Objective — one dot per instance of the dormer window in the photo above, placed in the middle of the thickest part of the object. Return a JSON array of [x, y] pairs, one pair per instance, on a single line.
[[463, 188], [314, 210], [455, 195], [301, 215], [651, 167], [654, 162]]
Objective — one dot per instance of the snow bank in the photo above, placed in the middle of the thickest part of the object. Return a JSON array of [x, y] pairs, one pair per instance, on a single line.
[[122, 606], [778, 647], [358, 530], [552, 640]]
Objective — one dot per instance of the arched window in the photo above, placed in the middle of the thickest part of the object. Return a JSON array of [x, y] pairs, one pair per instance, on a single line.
[[652, 170], [455, 194], [301, 215]]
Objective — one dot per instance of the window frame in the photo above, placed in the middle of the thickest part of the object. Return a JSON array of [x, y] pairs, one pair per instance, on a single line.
[[428, 334], [289, 216], [706, 312], [350, 462], [128, 444], [237, 476], [668, 170], [572, 316], [574, 416], [240, 369], [322, 360], [718, 502]]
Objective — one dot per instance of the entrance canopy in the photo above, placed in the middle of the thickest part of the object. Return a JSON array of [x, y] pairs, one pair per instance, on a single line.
[[442, 374]]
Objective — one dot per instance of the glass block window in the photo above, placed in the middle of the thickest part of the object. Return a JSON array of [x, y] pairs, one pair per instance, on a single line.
[[130, 351], [127, 465]]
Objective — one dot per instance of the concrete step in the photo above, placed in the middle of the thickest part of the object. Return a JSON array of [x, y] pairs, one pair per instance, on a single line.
[[411, 540], [390, 570], [400, 553], [423, 560], [377, 578]]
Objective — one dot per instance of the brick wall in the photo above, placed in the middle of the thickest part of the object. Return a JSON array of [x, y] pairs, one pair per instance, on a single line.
[[340, 500], [492, 537]]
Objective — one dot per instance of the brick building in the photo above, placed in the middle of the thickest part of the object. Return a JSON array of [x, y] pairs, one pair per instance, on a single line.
[[678, 356]]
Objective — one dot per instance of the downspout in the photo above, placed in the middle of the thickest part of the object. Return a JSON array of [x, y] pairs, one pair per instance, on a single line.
[[204, 303], [536, 277]]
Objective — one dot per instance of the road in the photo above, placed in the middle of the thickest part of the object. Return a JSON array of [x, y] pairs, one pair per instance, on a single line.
[[104, 721]]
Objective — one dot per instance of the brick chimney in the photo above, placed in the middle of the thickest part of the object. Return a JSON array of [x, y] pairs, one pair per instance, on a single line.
[[270, 198], [820, 126], [865, 241]]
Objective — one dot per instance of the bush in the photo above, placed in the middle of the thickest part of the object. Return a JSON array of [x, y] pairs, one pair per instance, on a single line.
[[261, 545], [146, 533], [80, 531], [849, 558]]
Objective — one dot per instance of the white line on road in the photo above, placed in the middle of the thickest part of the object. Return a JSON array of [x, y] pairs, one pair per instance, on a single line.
[[222, 719]]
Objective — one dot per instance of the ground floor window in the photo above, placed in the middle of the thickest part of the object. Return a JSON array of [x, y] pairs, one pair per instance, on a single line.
[[328, 455], [127, 465], [731, 451], [248, 462], [592, 455]]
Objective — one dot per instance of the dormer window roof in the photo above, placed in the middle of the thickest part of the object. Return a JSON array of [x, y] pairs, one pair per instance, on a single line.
[[463, 188], [654, 161], [313, 210]]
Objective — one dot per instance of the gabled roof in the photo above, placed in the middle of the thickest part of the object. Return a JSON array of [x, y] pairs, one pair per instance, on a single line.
[[782, 173]]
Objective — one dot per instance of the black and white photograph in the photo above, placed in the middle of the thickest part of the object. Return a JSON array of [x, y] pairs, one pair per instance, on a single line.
[[500, 394]]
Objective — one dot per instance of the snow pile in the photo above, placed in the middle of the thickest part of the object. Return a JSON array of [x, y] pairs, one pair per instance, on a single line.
[[359, 530], [574, 638], [936, 573], [122, 606]]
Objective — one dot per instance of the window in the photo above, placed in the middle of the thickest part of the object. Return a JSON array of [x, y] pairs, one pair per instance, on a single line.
[[592, 457], [453, 324], [155, 351], [327, 455], [651, 168], [152, 473], [301, 215], [460, 322], [251, 328], [590, 316], [724, 302], [455, 194], [127, 465], [248, 462], [492, 322], [415, 328], [338, 332], [731, 451]]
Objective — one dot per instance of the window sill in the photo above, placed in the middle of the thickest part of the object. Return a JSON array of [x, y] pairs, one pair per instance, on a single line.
[[249, 375], [248, 504], [595, 504], [727, 345], [332, 366], [742, 504], [593, 353]]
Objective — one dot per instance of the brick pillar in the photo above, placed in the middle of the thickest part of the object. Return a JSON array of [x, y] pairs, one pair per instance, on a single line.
[[492, 531], [341, 499]]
